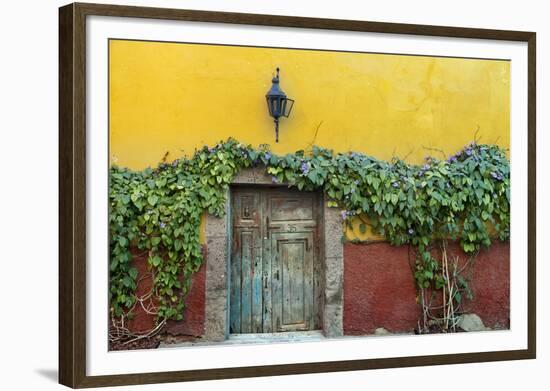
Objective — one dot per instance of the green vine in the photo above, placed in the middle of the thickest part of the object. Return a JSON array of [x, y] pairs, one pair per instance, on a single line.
[[464, 198]]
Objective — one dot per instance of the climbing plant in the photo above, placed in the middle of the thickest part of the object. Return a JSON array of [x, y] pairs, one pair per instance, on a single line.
[[464, 197]]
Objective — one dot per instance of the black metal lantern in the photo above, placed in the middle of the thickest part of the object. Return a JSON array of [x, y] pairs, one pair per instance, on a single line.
[[278, 104]]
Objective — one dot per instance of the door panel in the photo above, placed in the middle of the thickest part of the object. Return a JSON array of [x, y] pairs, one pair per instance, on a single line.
[[292, 284], [274, 262], [291, 207], [246, 286], [246, 282]]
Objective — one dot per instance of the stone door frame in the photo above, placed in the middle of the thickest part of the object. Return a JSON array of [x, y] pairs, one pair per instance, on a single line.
[[218, 265]]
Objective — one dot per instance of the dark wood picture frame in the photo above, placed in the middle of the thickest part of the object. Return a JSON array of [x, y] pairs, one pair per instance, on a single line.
[[72, 194]]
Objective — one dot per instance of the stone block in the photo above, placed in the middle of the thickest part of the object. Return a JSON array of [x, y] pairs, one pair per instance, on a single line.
[[216, 264], [216, 320], [333, 233], [334, 280], [333, 321], [255, 175], [215, 226]]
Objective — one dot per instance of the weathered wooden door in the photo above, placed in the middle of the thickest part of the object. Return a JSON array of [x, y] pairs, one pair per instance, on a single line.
[[274, 261]]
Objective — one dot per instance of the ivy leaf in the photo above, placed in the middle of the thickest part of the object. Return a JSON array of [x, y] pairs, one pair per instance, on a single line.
[[114, 264], [155, 240], [127, 281], [458, 297], [133, 272], [479, 193], [152, 200], [312, 175], [155, 260]]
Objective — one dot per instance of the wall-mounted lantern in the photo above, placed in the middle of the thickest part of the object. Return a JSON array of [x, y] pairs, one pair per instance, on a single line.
[[278, 104]]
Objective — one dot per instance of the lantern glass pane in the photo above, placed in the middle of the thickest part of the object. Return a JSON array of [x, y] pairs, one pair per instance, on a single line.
[[289, 105], [278, 107], [269, 108], [283, 107], [274, 107]]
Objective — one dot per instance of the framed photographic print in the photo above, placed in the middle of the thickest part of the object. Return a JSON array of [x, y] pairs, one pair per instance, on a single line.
[[255, 195]]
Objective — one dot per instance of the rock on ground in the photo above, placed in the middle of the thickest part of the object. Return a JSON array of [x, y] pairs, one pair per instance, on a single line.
[[471, 322], [381, 331]]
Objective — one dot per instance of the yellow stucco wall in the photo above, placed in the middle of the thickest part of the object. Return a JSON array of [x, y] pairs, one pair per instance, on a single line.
[[175, 97]]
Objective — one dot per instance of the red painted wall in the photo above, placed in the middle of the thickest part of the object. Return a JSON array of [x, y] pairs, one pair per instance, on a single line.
[[141, 321], [379, 288], [491, 286], [194, 314]]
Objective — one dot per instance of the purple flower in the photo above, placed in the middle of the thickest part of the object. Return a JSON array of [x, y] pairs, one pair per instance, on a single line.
[[426, 167], [410, 231], [395, 184], [356, 181], [162, 225], [452, 159], [497, 175], [352, 190], [469, 152], [175, 163], [346, 213], [267, 156], [304, 168], [211, 150], [274, 179]]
